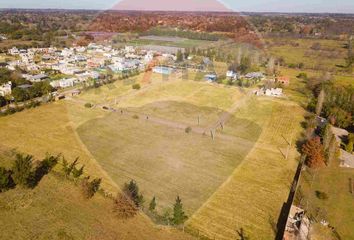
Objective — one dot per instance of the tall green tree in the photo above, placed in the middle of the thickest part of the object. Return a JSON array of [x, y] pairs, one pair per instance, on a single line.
[[21, 169], [131, 189], [152, 204], [326, 135], [179, 56], [179, 216]]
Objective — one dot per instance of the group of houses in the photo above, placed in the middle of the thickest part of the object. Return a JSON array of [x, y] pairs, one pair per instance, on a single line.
[[78, 64]]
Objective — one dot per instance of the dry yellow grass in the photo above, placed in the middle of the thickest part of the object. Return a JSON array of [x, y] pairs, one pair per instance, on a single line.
[[252, 196], [51, 128], [55, 209]]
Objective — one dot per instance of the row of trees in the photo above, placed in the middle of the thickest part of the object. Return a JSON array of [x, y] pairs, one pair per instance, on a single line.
[[331, 101], [24, 174], [158, 31], [128, 203]]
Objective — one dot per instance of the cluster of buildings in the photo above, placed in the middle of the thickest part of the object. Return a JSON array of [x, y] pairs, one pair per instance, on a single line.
[[79, 64]]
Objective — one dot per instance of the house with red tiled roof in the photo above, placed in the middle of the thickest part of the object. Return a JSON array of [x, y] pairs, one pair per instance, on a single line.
[[283, 80]]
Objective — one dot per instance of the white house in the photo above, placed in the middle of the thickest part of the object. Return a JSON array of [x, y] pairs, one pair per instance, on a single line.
[[5, 89], [272, 92], [13, 51], [35, 78], [63, 83], [231, 74]]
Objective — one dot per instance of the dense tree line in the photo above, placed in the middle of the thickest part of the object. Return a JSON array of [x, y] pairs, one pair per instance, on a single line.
[[183, 34]]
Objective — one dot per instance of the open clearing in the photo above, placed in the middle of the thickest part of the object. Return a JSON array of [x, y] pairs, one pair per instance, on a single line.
[[236, 180], [254, 193]]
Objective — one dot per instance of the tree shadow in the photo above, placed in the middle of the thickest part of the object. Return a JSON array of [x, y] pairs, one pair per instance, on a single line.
[[42, 169], [241, 234]]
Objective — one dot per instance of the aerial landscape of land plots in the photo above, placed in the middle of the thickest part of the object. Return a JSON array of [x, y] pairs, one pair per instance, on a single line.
[[167, 136]]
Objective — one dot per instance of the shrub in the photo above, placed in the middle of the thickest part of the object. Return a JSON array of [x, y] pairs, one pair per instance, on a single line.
[[123, 207], [88, 105], [5, 179], [136, 86], [188, 129], [90, 188], [135, 116], [321, 195], [22, 170]]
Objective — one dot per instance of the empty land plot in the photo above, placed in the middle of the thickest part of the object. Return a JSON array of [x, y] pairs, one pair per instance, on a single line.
[[253, 195], [165, 162], [294, 51], [185, 101]]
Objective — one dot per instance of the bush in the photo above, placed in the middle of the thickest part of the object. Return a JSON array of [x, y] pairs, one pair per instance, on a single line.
[[135, 116], [123, 207], [188, 129], [22, 169], [321, 195], [88, 105], [136, 86], [90, 188]]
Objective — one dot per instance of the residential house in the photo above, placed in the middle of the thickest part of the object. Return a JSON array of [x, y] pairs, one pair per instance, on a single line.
[[254, 75], [231, 75], [5, 89], [211, 77], [283, 80], [36, 78], [64, 83], [271, 92], [162, 70]]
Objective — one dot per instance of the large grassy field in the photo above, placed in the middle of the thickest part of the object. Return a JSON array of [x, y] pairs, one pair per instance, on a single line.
[[55, 209], [184, 43], [295, 51], [165, 162], [252, 196], [239, 179]]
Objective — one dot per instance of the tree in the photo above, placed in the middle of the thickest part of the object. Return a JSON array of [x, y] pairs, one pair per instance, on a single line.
[[78, 172], [20, 94], [179, 216], [333, 149], [68, 168], [90, 188], [3, 101], [21, 169], [314, 153], [245, 64], [131, 189], [341, 117], [123, 207], [320, 100], [152, 204], [350, 55], [179, 56], [349, 145], [326, 135], [5, 179]]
